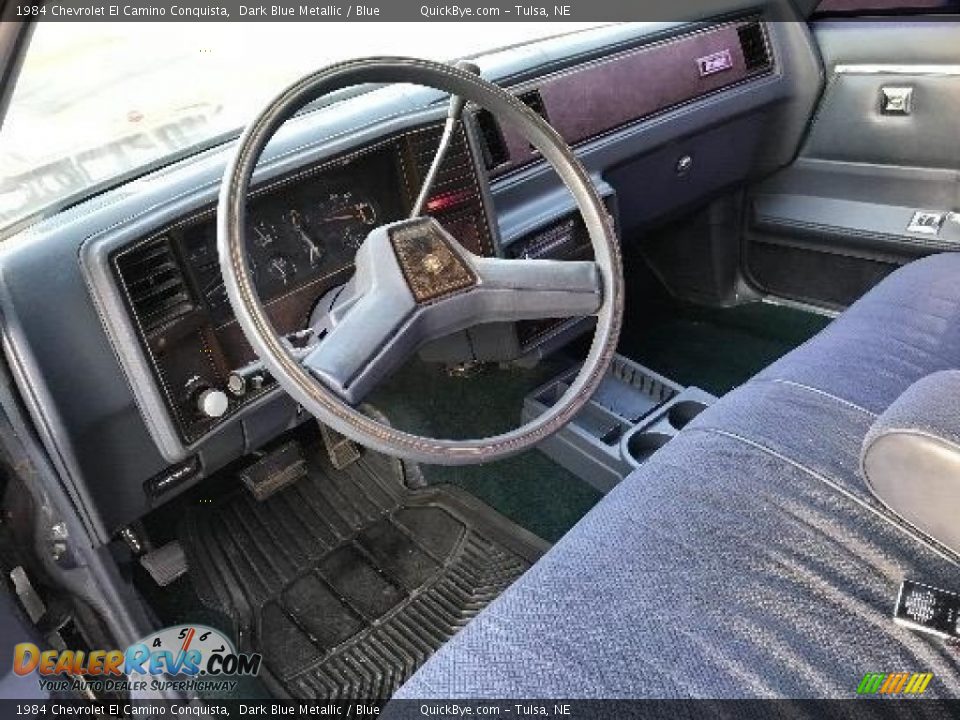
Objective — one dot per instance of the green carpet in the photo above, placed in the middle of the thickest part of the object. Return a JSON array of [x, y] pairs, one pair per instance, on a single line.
[[715, 349], [530, 489]]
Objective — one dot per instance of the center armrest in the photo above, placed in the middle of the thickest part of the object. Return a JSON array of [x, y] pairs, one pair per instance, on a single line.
[[911, 457]]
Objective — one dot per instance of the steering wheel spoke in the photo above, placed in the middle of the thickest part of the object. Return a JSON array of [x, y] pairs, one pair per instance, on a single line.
[[533, 289], [361, 350]]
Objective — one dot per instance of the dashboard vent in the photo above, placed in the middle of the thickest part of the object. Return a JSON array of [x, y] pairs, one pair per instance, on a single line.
[[495, 150], [455, 199], [533, 100], [455, 179], [154, 283], [754, 46], [494, 147]]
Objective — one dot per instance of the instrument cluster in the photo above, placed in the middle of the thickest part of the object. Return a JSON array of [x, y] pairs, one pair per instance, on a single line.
[[301, 232]]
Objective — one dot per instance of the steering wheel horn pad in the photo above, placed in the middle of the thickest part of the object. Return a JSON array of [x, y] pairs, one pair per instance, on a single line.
[[429, 262]]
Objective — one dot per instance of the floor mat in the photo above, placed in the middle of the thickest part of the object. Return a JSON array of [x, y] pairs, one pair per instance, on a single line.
[[347, 581]]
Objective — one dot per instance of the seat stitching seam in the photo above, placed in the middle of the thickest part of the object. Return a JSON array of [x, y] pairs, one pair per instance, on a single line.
[[818, 391], [880, 512]]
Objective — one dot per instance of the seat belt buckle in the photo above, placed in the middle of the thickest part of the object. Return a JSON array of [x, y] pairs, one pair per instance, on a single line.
[[928, 609]]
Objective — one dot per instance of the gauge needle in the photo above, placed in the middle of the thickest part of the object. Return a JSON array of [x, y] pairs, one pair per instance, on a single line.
[[281, 268], [315, 254], [266, 239], [362, 212]]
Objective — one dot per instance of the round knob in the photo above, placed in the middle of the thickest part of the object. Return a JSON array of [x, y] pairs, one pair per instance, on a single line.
[[212, 402], [237, 384]]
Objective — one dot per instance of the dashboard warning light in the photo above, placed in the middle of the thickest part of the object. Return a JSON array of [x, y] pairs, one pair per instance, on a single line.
[[447, 201]]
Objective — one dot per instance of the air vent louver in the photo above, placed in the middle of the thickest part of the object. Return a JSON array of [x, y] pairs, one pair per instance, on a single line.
[[455, 200], [754, 46], [495, 150], [533, 100], [494, 147], [154, 283]]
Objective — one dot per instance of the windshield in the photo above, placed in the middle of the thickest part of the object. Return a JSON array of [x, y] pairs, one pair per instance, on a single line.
[[98, 101]]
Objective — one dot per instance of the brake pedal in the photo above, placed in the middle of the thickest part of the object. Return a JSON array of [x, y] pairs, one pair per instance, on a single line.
[[275, 471], [165, 564], [342, 450]]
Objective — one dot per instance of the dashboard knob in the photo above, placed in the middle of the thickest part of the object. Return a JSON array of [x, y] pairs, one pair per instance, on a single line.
[[212, 402]]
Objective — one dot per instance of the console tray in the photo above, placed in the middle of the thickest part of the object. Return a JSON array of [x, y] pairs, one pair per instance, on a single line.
[[634, 412]]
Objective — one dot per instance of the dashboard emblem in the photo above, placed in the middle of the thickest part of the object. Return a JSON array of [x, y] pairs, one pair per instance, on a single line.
[[717, 62]]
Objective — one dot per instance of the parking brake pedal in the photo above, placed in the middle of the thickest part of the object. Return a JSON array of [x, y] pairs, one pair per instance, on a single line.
[[275, 471]]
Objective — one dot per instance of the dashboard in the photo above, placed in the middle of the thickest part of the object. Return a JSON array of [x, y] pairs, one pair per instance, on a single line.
[[304, 231], [305, 227], [114, 319]]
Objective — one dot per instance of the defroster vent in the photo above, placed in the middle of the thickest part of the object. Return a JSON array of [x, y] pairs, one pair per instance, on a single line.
[[756, 56], [154, 283], [495, 150]]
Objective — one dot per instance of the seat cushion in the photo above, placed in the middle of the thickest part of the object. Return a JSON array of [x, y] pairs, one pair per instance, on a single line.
[[716, 570], [746, 558], [906, 327]]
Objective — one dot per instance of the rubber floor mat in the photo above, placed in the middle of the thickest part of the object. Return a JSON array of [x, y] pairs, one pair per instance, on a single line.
[[347, 581]]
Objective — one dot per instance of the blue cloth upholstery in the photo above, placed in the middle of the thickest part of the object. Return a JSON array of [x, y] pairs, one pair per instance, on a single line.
[[906, 327], [746, 558]]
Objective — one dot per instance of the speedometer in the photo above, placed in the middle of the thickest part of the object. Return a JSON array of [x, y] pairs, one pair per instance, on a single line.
[[345, 218]]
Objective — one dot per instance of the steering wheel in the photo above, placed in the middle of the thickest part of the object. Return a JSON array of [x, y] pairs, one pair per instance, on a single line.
[[414, 282]]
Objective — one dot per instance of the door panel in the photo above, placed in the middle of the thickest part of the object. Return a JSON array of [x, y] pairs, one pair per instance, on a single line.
[[836, 221], [851, 127]]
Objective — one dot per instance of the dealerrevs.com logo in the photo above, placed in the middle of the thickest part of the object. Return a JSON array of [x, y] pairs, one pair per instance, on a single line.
[[185, 657]]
